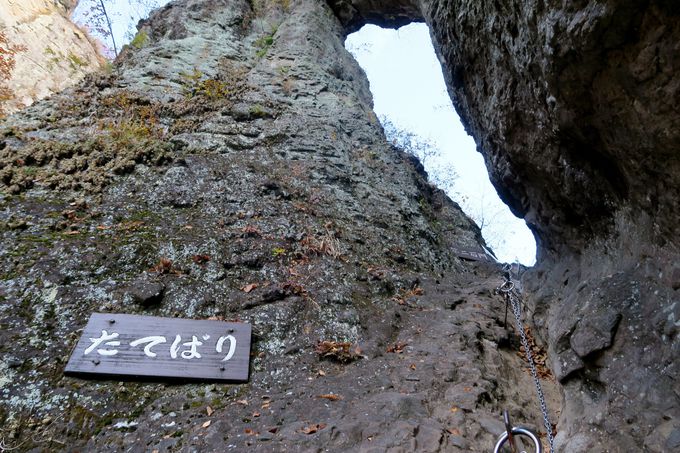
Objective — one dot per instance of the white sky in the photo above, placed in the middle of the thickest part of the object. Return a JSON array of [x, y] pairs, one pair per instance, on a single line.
[[408, 88]]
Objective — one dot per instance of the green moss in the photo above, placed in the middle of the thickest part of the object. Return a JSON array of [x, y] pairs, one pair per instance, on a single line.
[[194, 84], [257, 111], [264, 42], [140, 39], [76, 62]]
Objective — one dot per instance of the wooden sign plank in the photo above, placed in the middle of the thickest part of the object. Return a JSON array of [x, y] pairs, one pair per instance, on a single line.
[[149, 346], [472, 254]]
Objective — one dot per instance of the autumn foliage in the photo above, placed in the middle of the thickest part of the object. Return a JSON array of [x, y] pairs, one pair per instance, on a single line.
[[8, 52]]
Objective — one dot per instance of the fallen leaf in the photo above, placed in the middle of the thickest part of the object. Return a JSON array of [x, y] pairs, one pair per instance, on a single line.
[[338, 351], [322, 373], [250, 432], [252, 231], [209, 410], [467, 389], [312, 429], [413, 366], [164, 266], [248, 288], [206, 424], [243, 402], [265, 405], [256, 414], [454, 409], [330, 396], [273, 430], [200, 259], [453, 431], [397, 348], [103, 227]]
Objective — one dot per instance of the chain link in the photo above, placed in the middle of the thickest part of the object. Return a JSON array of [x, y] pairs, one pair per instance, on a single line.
[[515, 301]]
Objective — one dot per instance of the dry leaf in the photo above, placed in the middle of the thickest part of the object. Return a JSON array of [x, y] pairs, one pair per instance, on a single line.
[[251, 231], [454, 409], [330, 396], [453, 431], [209, 410], [250, 432], [338, 351], [273, 430], [256, 414], [397, 348], [412, 366], [206, 424], [321, 373], [164, 266], [243, 402], [248, 288], [312, 429], [200, 259]]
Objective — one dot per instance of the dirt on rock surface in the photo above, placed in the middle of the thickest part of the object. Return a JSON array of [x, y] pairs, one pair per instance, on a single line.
[[232, 168]]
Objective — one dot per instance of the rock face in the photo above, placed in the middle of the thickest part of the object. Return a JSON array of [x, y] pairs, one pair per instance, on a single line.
[[231, 166], [574, 106], [54, 53]]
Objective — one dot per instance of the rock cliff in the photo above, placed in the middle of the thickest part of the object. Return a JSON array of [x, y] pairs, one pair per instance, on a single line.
[[53, 52], [232, 164], [575, 108]]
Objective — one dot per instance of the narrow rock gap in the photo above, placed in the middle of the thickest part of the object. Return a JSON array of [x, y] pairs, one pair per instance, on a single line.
[[411, 102]]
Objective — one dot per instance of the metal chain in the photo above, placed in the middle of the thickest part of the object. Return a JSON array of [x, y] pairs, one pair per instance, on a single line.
[[515, 302]]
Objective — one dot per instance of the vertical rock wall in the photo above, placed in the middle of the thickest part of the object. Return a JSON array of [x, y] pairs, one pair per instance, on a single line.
[[574, 106], [243, 132], [231, 167], [54, 53]]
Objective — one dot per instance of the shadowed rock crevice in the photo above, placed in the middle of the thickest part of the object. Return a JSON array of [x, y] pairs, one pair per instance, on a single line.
[[575, 108], [232, 167]]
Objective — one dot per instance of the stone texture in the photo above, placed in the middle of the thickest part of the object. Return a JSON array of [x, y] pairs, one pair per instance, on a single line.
[[55, 53], [234, 165], [143, 291], [244, 133], [574, 107]]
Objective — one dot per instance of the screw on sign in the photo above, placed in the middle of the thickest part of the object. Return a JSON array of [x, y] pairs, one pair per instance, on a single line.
[[148, 346]]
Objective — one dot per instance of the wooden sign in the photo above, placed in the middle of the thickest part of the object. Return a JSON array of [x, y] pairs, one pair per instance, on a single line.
[[472, 254], [149, 346]]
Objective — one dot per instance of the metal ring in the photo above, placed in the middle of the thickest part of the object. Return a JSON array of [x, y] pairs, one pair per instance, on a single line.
[[507, 286], [519, 432]]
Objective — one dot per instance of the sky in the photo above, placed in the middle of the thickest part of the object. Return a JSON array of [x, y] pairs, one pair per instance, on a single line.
[[408, 89]]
